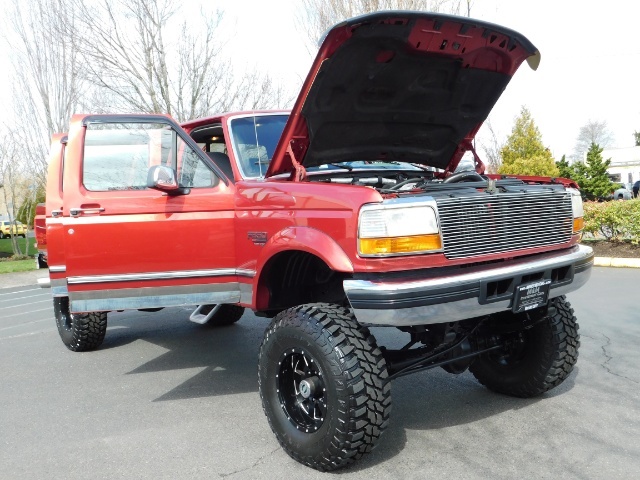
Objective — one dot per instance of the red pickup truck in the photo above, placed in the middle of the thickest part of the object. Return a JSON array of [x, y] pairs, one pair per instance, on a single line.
[[344, 213]]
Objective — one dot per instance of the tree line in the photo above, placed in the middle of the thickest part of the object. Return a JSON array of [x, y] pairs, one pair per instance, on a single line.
[[524, 153], [132, 56], [110, 56]]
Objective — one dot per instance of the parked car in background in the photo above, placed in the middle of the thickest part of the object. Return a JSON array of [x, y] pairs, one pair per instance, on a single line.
[[7, 229], [622, 194]]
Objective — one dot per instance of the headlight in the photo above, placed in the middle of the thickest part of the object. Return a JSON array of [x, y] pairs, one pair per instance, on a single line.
[[398, 229], [578, 210]]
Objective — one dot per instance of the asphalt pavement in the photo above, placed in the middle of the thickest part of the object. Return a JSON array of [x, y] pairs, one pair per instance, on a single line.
[[166, 398]]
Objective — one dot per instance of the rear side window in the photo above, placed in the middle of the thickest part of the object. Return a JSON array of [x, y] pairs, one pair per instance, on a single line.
[[118, 157]]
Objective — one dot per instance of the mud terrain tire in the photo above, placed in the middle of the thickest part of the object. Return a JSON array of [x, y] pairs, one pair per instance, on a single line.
[[544, 361], [322, 384], [80, 332]]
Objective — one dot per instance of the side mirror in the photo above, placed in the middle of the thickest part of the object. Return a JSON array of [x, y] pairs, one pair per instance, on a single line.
[[163, 178]]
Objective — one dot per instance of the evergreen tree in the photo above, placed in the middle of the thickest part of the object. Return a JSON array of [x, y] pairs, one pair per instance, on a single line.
[[565, 170], [524, 153], [592, 175]]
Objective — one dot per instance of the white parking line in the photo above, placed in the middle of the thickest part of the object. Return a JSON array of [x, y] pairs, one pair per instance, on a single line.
[[21, 291], [26, 296], [30, 303], [28, 334], [26, 313], [25, 323]]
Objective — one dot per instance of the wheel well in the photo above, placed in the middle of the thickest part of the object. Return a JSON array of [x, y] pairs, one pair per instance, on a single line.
[[295, 277]]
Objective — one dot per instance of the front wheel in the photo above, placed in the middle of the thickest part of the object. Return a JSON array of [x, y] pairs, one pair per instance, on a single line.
[[541, 361], [79, 332], [323, 386]]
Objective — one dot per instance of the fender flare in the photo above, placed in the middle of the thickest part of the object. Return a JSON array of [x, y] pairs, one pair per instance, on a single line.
[[305, 239]]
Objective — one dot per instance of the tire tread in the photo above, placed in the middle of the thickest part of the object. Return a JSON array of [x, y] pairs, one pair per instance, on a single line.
[[560, 352], [367, 413]]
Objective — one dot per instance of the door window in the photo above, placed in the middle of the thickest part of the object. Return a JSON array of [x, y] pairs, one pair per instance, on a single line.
[[117, 156]]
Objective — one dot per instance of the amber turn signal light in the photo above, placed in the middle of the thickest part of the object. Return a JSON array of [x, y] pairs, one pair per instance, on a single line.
[[390, 245]]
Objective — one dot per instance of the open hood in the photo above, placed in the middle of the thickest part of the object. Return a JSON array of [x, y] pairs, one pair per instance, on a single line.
[[400, 86]]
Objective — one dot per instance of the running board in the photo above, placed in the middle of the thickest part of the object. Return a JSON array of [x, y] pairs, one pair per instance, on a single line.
[[201, 319]]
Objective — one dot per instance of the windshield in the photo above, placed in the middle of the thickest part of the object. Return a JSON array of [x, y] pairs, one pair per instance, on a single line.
[[254, 140]]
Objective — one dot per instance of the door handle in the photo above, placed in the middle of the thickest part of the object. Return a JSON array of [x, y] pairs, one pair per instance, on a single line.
[[76, 212]]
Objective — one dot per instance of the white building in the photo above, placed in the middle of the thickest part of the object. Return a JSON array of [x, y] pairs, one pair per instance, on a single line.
[[625, 164]]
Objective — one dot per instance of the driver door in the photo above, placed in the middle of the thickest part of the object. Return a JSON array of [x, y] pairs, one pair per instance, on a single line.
[[131, 246]]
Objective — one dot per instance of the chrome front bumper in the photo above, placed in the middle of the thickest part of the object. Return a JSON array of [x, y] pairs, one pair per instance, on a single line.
[[448, 295]]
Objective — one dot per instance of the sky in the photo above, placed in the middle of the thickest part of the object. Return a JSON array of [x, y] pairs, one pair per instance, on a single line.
[[590, 68]]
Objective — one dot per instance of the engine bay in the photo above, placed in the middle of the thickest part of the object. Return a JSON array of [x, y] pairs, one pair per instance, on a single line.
[[403, 181]]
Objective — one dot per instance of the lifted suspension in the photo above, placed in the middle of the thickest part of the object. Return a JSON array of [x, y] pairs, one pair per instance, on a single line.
[[407, 361]]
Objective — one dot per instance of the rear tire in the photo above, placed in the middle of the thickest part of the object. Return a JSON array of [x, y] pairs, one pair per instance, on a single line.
[[80, 332], [40, 261], [543, 361], [322, 384]]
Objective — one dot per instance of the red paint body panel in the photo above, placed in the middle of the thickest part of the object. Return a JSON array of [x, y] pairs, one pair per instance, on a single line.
[[240, 226], [141, 231], [40, 227], [227, 234], [54, 234], [471, 44]]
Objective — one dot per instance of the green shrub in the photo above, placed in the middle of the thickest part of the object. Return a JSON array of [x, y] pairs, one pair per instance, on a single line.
[[615, 221]]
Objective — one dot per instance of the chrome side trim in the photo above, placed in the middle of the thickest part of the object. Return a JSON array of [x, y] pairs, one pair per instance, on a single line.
[[246, 293], [59, 287], [467, 284], [57, 268], [133, 277], [153, 297], [245, 272]]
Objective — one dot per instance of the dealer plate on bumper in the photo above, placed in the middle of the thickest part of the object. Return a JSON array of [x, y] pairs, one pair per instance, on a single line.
[[531, 295]]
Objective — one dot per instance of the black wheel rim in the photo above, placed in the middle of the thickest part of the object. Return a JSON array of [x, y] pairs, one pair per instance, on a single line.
[[301, 390]]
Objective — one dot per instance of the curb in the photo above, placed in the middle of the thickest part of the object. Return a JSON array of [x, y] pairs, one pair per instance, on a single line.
[[616, 262]]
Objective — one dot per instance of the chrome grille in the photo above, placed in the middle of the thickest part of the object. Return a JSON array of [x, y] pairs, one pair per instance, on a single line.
[[486, 224]]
